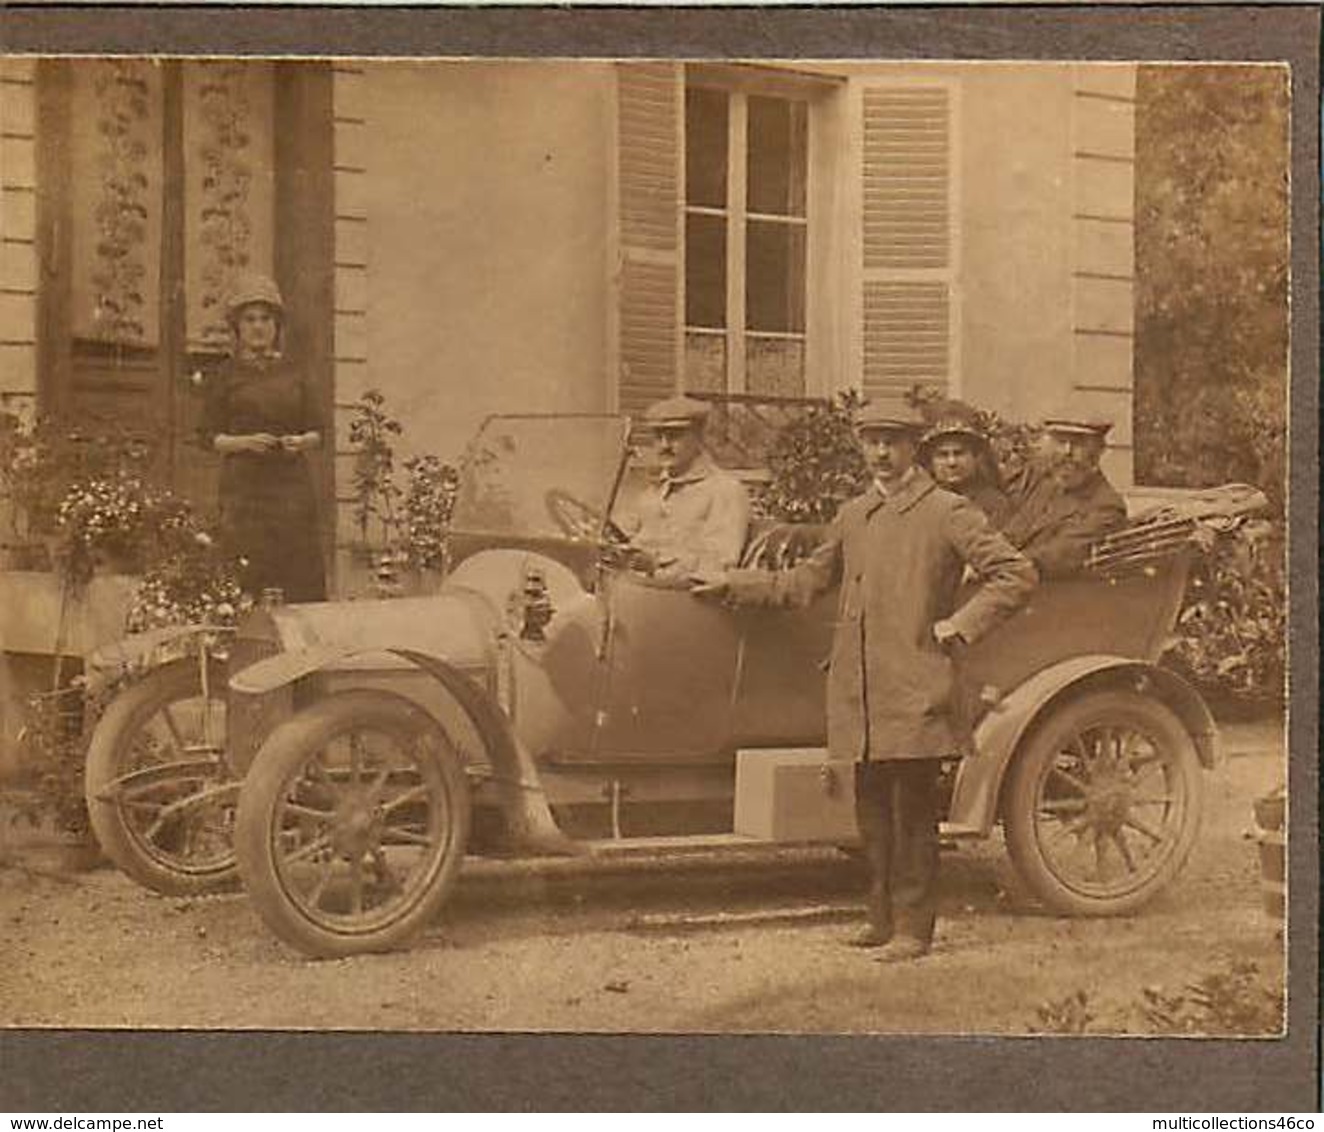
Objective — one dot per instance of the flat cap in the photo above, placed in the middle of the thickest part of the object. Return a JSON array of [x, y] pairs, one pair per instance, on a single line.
[[1077, 424], [676, 412], [879, 417]]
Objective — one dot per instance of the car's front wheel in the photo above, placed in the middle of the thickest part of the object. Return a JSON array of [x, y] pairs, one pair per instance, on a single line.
[[352, 824], [1102, 805]]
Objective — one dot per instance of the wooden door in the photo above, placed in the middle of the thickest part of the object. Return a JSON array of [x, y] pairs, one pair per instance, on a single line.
[[161, 181]]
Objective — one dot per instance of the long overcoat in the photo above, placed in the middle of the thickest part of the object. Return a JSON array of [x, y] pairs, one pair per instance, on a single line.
[[1056, 526], [899, 561]]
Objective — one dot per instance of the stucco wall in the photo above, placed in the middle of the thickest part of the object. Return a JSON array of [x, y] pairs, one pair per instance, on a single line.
[[1043, 236], [486, 195], [474, 208], [1015, 279]]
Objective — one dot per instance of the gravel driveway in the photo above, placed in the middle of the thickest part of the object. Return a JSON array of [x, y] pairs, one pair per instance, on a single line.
[[751, 946]]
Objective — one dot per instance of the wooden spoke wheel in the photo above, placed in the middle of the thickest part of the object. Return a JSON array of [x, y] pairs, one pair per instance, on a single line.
[[1102, 805], [352, 824], [159, 792]]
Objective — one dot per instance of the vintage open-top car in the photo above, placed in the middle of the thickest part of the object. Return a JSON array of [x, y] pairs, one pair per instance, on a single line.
[[552, 697]]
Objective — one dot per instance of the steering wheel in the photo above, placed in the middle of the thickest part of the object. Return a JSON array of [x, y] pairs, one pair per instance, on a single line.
[[580, 521]]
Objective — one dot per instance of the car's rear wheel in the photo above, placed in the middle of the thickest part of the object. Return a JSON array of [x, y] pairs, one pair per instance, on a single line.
[[352, 824], [159, 793], [1102, 806]]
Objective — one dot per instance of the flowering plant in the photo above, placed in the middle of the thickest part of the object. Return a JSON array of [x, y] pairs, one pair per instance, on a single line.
[[111, 518], [40, 459], [375, 492], [412, 521], [190, 585], [428, 502]]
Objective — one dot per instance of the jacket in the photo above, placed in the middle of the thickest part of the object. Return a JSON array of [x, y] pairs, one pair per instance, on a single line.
[[1055, 527], [899, 561], [697, 521]]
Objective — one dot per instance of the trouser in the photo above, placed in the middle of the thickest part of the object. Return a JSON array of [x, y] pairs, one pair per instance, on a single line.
[[896, 809]]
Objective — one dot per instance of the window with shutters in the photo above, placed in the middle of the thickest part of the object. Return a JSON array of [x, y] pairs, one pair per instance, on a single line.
[[909, 245], [745, 240]]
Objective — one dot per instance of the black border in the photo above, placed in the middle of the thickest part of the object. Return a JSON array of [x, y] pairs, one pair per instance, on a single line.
[[190, 1072]]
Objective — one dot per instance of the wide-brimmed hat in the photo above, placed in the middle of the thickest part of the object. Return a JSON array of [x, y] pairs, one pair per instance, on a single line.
[[676, 413], [252, 287], [952, 418], [878, 416]]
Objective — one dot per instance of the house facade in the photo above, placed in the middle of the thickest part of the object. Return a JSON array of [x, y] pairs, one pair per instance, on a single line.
[[472, 237]]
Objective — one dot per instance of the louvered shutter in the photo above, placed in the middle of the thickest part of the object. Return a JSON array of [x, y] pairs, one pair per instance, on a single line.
[[908, 244], [649, 108]]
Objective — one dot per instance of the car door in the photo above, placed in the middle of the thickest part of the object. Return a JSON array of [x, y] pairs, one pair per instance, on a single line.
[[671, 673]]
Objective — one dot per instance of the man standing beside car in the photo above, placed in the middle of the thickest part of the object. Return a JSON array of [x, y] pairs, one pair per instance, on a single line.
[[697, 517], [898, 552]]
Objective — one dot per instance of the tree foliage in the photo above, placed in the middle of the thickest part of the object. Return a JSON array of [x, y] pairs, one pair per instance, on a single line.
[[1211, 276]]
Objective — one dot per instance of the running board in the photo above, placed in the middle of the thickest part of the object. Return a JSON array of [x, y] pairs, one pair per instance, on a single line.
[[709, 842]]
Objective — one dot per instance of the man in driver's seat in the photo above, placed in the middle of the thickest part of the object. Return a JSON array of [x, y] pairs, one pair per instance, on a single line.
[[697, 517]]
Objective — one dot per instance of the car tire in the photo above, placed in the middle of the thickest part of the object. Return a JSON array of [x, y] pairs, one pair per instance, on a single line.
[[1108, 784], [126, 799], [317, 823]]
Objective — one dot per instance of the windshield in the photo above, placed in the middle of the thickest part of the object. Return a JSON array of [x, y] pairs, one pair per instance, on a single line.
[[518, 473]]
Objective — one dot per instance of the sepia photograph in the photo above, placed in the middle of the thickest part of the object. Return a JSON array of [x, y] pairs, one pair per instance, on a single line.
[[645, 546]]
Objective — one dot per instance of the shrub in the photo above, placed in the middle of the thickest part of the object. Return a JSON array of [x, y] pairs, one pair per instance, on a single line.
[[372, 433], [1234, 999], [1231, 637], [51, 742], [41, 460], [429, 499], [815, 464], [1231, 1000], [1069, 1015], [191, 585], [411, 523]]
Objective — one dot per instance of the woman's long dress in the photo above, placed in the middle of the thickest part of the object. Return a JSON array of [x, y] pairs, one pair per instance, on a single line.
[[268, 505]]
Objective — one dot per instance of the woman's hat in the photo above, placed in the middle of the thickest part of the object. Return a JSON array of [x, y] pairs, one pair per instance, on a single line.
[[249, 288], [953, 418]]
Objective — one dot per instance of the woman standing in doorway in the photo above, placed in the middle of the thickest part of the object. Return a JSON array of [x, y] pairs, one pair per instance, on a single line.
[[260, 417]]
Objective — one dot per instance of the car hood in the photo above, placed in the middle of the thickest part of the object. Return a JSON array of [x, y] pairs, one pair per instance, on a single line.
[[458, 626]]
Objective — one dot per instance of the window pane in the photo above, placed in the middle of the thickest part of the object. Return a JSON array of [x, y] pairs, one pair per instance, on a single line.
[[778, 156], [705, 147], [775, 366], [705, 363], [775, 276], [705, 271]]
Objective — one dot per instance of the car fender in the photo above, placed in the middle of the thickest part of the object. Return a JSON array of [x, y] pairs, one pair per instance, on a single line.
[[142, 649], [999, 735], [523, 799]]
